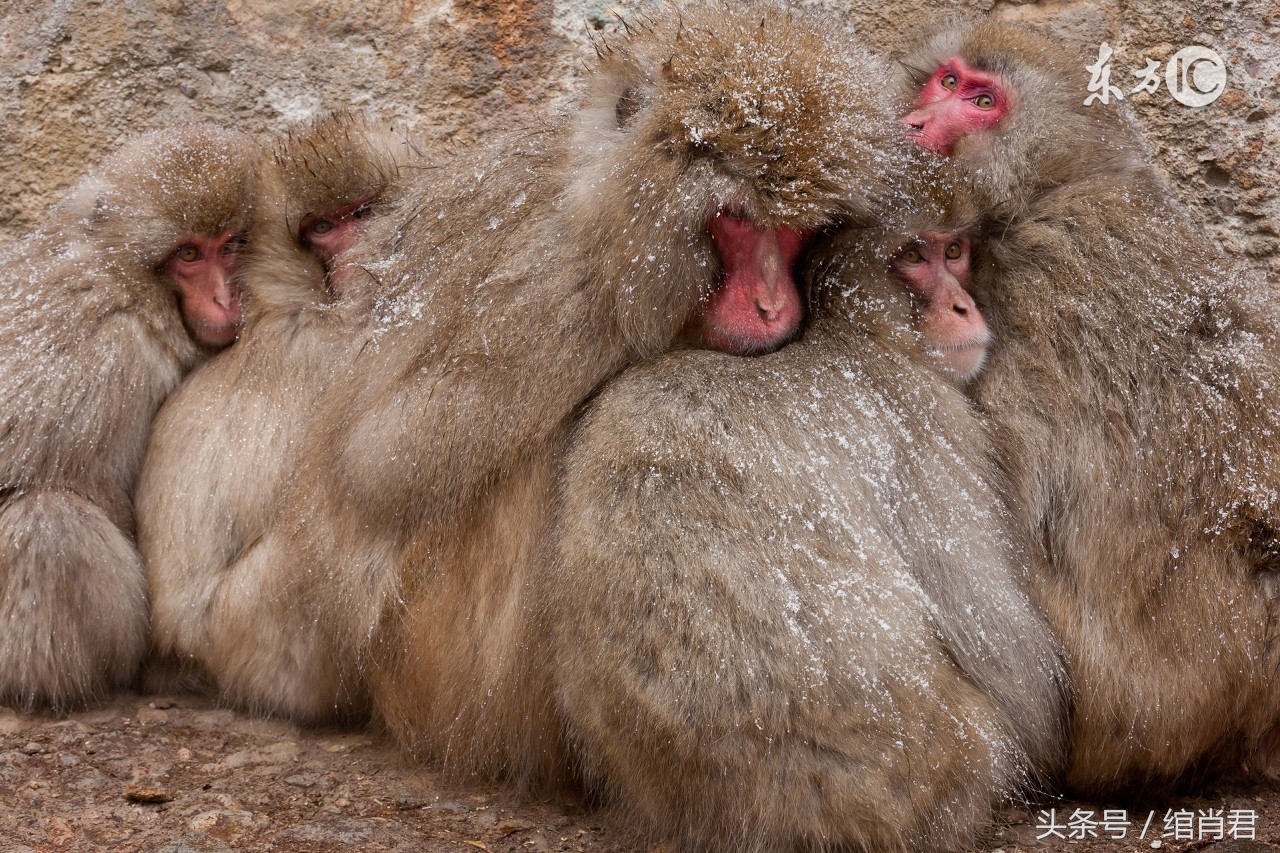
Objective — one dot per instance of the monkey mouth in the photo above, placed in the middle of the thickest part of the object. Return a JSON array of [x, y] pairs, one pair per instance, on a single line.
[[982, 341], [964, 359], [216, 334], [917, 134]]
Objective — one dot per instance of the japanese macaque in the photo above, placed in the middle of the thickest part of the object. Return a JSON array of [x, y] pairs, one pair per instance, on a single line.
[[1131, 385], [709, 146], [787, 610], [1009, 106], [130, 283], [223, 446], [935, 270]]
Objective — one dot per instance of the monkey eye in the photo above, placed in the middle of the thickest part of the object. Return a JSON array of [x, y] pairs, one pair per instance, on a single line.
[[949, 81], [321, 226], [953, 251], [911, 255], [984, 102], [188, 253]]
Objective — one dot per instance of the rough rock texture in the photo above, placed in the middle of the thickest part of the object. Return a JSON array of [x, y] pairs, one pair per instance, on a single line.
[[178, 775], [78, 76]]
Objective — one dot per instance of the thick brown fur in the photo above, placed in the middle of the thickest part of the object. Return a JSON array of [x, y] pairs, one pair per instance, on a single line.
[[520, 280], [1132, 391], [92, 342], [788, 611], [224, 445]]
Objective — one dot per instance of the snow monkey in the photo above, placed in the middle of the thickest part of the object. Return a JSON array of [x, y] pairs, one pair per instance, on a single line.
[[1131, 388], [708, 148], [787, 609], [222, 448], [935, 269], [130, 283]]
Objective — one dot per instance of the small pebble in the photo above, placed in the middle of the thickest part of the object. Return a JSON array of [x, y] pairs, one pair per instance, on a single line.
[[143, 794]]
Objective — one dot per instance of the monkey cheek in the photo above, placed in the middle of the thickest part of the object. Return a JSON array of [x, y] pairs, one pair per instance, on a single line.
[[328, 246]]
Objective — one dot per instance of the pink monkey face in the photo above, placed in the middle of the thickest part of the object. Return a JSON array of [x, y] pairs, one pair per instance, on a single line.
[[935, 270], [757, 307], [203, 270], [957, 101]]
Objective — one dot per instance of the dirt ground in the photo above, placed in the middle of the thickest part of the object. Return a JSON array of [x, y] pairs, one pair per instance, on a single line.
[[180, 775]]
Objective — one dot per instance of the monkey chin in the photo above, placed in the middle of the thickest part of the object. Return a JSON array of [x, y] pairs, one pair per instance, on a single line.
[[215, 335], [962, 360], [749, 339]]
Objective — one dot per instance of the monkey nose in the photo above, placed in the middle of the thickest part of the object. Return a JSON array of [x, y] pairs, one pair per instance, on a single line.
[[226, 294], [769, 311], [915, 121]]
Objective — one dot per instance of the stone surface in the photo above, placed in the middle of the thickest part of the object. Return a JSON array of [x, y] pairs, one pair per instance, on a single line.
[[200, 781]]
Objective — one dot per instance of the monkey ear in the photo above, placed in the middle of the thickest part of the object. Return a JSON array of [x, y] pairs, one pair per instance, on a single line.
[[632, 100], [100, 213], [90, 203]]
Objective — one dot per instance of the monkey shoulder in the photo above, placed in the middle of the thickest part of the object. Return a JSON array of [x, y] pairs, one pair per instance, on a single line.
[[83, 385]]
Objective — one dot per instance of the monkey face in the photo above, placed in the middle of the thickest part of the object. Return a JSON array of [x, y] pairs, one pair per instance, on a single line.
[[756, 307], [956, 102], [935, 269], [203, 271]]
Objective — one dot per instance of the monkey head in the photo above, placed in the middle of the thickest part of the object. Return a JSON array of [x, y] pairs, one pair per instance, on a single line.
[[317, 191], [174, 207], [334, 170], [935, 270], [1009, 105], [907, 282], [712, 144]]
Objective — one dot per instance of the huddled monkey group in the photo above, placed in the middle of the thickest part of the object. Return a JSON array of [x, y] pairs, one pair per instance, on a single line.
[[788, 446]]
